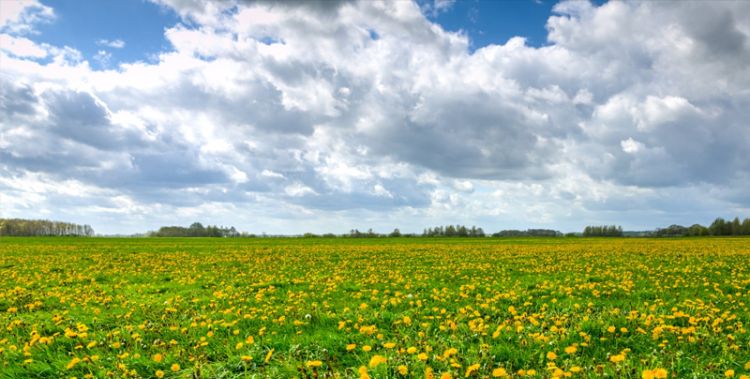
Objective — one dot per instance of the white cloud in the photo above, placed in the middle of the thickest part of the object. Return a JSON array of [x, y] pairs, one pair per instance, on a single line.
[[114, 43], [21, 47], [20, 16], [298, 111], [631, 146]]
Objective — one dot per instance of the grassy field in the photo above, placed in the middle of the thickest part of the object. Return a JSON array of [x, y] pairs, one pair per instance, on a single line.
[[387, 308]]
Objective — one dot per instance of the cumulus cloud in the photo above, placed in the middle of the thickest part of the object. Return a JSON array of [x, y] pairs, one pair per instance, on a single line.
[[21, 16], [112, 43], [356, 112]]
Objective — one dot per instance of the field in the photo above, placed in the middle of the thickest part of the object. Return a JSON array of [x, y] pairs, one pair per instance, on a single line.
[[379, 308]]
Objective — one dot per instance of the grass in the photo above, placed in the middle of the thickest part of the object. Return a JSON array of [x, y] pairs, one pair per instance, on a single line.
[[233, 308]]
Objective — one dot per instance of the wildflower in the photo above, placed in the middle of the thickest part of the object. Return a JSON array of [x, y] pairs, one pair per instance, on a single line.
[[403, 370], [363, 373], [175, 367], [571, 349], [551, 355], [472, 369], [313, 363], [159, 374], [73, 362], [729, 373], [499, 373], [617, 358], [377, 360]]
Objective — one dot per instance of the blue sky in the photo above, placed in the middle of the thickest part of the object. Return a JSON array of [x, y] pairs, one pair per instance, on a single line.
[[494, 22], [140, 24], [289, 117]]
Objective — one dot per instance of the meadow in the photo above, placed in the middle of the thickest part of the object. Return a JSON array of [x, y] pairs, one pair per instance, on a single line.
[[374, 308]]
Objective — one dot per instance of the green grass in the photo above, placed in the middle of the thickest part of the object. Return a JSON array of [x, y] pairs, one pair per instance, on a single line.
[[502, 303]]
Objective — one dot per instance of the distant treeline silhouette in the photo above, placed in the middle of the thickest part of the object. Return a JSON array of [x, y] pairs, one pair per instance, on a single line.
[[528, 233], [42, 228], [603, 231], [453, 231], [719, 227], [196, 229]]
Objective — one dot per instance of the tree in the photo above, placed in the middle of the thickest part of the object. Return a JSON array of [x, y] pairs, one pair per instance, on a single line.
[[395, 233], [717, 227], [31, 228], [603, 231]]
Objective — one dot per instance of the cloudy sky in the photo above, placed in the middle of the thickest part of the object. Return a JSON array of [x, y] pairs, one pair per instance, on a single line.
[[323, 116]]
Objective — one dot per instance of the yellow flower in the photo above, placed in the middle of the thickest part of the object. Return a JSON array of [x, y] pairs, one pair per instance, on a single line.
[[159, 374], [73, 362], [377, 360], [499, 373], [363, 373], [422, 356], [551, 355], [660, 373], [366, 348], [446, 375], [313, 363], [729, 373], [246, 358], [403, 370], [611, 329], [351, 346], [411, 350], [617, 358], [175, 367], [472, 369], [575, 369], [389, 345], [157, 357], [571, 349], [268, 356], [448, 353]]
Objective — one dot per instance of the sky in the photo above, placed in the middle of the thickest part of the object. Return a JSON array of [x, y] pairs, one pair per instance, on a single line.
[[325, 116]]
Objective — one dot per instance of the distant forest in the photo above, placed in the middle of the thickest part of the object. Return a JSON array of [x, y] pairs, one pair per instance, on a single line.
[[720, 227], [196, 229], [38, 228]]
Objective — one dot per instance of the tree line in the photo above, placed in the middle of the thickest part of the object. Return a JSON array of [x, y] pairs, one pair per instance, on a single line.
[[603, 231], [453, 231], [17, 227], [719, 227], [528, 233], [196, 229]]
